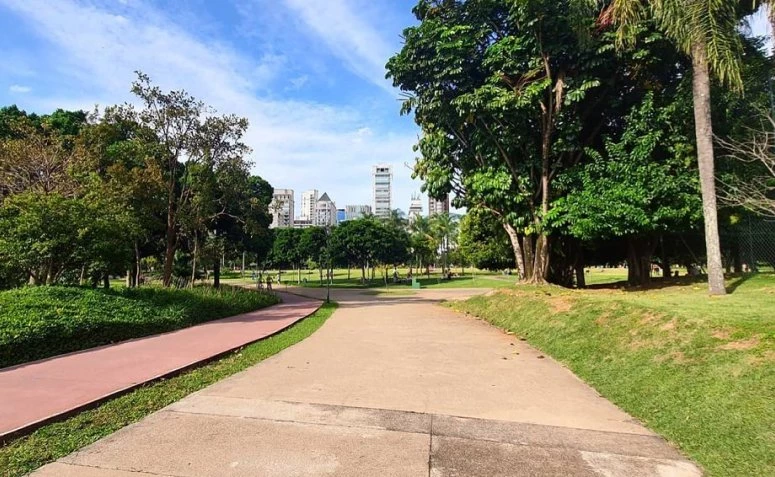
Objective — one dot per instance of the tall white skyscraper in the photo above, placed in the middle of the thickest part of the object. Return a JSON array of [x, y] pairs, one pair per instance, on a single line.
[[309, 199], [281, 208], [383, 189]]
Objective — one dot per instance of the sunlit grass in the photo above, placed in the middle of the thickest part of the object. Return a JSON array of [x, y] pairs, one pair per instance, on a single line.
[[700, 370]]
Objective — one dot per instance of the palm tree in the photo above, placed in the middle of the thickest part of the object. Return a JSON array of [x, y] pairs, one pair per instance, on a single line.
[[422, 240], [444, 228], [706, 30]]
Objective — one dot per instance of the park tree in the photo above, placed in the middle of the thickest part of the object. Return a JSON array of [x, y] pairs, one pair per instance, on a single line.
[[423, 243], [444, 227], [640, 187], [314, 243], [483, 242], [499, 90], [706, 31], [287, 251], [188, 138]]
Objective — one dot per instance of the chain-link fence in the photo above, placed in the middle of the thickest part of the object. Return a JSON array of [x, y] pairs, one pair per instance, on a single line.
[[749, 246]]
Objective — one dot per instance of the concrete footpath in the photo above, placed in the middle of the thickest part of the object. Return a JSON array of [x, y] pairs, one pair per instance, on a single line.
[[389, 386], [34, 393]]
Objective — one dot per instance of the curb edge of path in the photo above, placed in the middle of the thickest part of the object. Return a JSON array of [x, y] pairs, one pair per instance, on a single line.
[[33, 426]]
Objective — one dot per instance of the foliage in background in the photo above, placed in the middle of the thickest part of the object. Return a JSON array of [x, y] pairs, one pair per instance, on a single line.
[[483, 241], [38, 322]]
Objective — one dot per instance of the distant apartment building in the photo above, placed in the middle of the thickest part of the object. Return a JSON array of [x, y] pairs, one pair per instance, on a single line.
[[382, 175], [309, 200], [301, 222], [438, 206], [415, 207], [325, 211], [340, 215], [281, 208], [352, 212]]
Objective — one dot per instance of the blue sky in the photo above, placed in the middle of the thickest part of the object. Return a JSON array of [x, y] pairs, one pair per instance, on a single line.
[[308, 74]]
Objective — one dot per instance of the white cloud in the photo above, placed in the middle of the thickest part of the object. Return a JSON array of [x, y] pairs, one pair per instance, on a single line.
[[349, 36], [16, 88], [299, 82], [296, 144]]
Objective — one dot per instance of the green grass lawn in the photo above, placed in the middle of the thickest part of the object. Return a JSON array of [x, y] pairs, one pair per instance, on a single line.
[[465, 278], [38, 322], [698, 370], [57, 440]]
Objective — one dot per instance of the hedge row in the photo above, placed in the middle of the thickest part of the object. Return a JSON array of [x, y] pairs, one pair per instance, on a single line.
[[39, 322]]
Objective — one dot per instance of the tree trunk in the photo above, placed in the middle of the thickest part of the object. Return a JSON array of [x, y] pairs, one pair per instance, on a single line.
[[242, 270], [529, 260], [170, 238], [517, 247], [137, 264], [639, 253], [106, 281], [581, 279], [704, 132], [541, 262], [193, 260], [217, 274]]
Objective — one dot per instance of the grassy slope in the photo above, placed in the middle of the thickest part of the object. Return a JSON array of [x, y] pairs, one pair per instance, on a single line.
[[698, 370], [38, 322], [60, 439]]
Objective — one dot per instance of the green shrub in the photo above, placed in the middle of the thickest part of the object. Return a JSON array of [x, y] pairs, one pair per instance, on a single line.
[[39, 322]]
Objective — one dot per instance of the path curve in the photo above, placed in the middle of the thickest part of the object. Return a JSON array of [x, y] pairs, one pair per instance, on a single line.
[[389, 386], [32, 394]]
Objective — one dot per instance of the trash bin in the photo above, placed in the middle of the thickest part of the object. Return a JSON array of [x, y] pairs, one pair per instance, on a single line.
[[415, 283]]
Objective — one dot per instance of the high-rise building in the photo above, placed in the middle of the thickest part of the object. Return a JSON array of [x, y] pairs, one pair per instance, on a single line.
[[281, 208], [415, 207], [352, 212], [309, 200], [325, 211], [438, 206], [383, 189]]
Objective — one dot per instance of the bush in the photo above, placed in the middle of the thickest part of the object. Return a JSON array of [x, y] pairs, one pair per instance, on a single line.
[[39, 322]]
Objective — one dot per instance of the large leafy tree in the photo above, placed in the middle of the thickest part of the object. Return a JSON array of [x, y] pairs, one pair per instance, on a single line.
[[188, 139], [707, 31], [483, 241], [500, 90], [640, 187]]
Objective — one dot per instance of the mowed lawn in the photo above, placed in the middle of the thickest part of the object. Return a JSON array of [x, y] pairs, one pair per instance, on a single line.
[[698, 370], [462, 278]]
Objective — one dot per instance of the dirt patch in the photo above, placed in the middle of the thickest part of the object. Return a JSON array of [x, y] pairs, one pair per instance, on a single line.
[[603, 319], [722, 334], [768, 357], [648, 318], [675, 356], [560, 304], [670, 325], [740, 345]]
